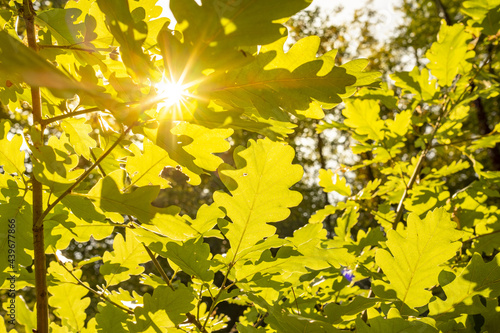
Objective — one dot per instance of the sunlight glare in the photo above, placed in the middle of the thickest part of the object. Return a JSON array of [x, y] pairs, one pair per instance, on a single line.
[[171, 93]]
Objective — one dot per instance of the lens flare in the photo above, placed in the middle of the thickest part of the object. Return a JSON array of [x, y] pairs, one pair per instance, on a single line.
[[171, 93]]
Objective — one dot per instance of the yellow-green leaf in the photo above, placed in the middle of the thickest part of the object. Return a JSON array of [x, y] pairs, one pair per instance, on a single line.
[[478, 278], [416, 257], [124, 261], [260, 192], [333, 183], [448, 56], [363, 117]]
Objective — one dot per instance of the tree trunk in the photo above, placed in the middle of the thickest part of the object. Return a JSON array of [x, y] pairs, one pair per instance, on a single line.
[[42, 307]]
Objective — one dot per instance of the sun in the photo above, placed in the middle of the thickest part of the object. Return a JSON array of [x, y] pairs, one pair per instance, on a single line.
[[171, 93]]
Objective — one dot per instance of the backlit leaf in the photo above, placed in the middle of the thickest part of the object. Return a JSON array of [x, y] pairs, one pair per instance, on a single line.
[[448, 56], [333, 183], [413, 265], [78, 132], [163, 310], [484, 14], [363, 116], [124, 261], [192, 257], [260, 194], [478, 278]]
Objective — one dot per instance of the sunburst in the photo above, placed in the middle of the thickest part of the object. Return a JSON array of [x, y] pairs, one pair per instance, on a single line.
[[171, 93]]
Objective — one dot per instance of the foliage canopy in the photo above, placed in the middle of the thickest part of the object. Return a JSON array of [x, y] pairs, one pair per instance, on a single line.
[[104, 102]]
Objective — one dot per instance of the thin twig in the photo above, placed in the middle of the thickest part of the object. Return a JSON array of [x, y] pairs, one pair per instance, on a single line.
[[83, 176], [69, 115], [192, 319], [464, 140], [73, 47], [216, 298], [96, 293], [296, 303], [483, 235], [164, 275]]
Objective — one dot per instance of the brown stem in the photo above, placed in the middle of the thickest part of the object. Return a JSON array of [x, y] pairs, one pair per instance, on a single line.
[[101, 296], [164, 275], [216, 298], [42, 306], [443, 12], [68, 115], [192, 319], [482, 235], [296, 303], [73, 47]]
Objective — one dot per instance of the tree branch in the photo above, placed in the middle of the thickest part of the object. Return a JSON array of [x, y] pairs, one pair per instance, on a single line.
[[83, 176], [68, 115], [443, 12], [164, 275], [96, 293], [73, 47]]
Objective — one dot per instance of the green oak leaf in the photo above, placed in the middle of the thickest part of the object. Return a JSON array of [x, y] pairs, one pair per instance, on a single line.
[[416, 82], [163, 310], [363, 117], [284, 321], [11, 155], [222, 34], [68, 299], [448, 56], [165, 227], [484, 14], [24, 315], [413, 265], [191, 146], [394, 323], [5, 15], [111, 318], [383, 94], [129, 33], [67, 30], [447, 170], [333, 183], [78, 132], [229, 23], [259, 192], [144, 168], [277, 83], [107, 196], [345, 223], [477, 278], [206, 142], [424, 197], [192, 257], [334, 311], [20, 63], [125, 259], [400, 125], [62, 226], [54, 167]]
